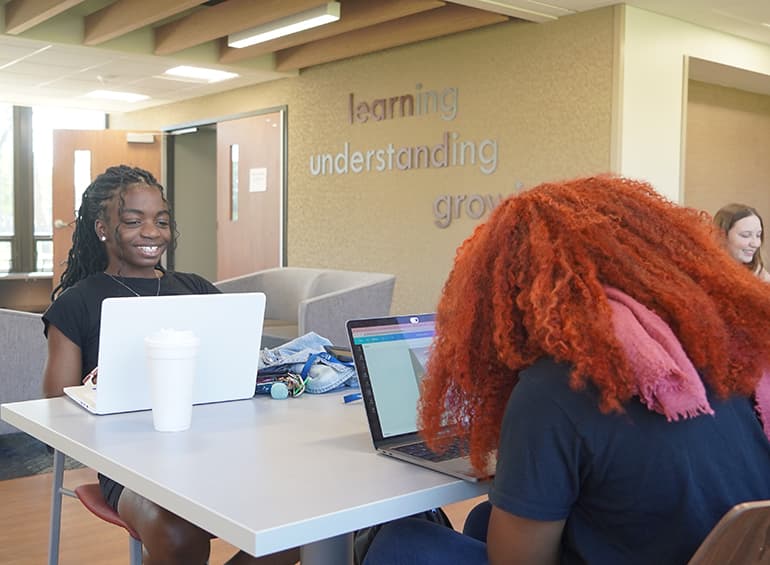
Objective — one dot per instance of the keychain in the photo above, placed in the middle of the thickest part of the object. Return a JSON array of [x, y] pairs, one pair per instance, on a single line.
[[281, 386]]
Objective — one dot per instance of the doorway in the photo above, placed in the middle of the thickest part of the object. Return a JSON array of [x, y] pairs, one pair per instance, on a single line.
[[226, 184], [726, 133]]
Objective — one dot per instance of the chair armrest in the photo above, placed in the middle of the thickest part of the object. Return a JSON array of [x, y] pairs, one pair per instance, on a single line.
[[245, 283], [327, 313]]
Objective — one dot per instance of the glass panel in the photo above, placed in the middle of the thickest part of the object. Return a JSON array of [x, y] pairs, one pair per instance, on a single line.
[[6, 172], [82, 175], [44, 121], [234, 152], [5, 256], [44, 255]]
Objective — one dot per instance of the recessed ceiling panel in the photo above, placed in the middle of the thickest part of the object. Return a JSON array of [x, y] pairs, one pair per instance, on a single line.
[[51, 53]]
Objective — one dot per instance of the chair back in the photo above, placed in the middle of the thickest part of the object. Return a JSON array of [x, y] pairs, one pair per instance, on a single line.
[[741, 537], [301, 300], [23, 352]]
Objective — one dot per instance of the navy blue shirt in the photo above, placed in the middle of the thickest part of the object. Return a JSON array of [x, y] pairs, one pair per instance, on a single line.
[[632, 487]]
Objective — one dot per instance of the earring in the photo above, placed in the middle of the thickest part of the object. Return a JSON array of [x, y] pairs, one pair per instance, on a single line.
[[103, 238]]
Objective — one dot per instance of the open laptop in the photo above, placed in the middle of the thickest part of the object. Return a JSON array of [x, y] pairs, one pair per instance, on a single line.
[[230, 330], [390, 354]]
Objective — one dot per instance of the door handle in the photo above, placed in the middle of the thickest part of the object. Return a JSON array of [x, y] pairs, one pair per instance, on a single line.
[[59, 224]]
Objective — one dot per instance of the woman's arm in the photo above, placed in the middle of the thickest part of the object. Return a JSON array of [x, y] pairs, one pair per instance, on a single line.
[[521, 541], [63, 366]]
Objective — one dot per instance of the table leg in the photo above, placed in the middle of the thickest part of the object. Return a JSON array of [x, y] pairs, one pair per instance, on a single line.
[[332, 551], [54, 526]]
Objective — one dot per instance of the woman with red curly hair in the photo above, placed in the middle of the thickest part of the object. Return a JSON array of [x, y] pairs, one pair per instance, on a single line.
[[597, 341]]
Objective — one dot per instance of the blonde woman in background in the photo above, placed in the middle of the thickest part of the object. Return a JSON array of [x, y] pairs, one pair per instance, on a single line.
[[742, 227]]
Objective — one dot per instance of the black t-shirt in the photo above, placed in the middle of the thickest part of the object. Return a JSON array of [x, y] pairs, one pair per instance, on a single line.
[[77, 311]]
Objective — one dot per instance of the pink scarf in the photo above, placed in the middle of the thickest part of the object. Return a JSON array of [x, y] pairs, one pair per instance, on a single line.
[[667, 381]]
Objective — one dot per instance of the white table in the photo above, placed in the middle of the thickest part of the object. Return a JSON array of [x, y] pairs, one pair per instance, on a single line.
[[262, 474]]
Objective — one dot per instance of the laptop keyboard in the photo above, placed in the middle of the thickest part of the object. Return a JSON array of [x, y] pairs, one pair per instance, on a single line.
[[458, 448]]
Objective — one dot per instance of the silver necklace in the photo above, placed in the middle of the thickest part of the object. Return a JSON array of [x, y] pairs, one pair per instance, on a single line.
[[124, 285]]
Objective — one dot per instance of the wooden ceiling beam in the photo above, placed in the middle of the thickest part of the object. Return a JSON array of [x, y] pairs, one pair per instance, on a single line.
[[354, 14], [428, 25], [21, 15], [125, 16], [222, 19]]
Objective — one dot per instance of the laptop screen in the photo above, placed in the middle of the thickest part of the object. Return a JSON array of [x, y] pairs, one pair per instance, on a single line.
[[390, 356], [228, 325]]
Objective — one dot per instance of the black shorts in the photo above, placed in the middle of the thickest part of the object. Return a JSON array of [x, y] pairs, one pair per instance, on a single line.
[[111, 491]]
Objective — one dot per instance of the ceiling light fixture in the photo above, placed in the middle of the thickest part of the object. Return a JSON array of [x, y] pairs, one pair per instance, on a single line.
[[314, 17], [200, 74], [183, 131], [115, 95]]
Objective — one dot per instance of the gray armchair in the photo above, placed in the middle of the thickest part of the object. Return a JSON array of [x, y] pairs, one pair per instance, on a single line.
[[301, 300], [23, 351]]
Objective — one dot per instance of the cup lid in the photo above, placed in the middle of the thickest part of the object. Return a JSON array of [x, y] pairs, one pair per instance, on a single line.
[[172, 337]]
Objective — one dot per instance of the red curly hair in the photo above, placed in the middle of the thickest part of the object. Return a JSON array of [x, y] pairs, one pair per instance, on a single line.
[[528, 283]]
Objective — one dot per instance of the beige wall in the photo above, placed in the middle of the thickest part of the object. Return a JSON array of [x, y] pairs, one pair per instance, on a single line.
[[542, 92], [655, 50], [728, 143]]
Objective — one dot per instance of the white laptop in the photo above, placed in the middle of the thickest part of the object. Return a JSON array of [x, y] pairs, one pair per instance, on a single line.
[[230, 330], [390, 355]]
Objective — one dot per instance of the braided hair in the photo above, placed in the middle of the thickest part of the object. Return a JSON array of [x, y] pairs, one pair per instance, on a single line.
[[87, 254]]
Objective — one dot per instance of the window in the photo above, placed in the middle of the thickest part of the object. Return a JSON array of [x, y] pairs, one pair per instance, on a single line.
[[26, 195]]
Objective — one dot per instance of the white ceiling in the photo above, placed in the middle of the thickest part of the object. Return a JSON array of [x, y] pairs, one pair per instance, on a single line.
[[743, 18], [36, 72], [47, 65]]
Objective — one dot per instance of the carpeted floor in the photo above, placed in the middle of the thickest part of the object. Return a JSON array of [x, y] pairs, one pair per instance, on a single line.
[[22, 455]]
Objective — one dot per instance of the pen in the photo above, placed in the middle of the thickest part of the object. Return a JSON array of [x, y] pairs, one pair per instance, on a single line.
[[351, 397]]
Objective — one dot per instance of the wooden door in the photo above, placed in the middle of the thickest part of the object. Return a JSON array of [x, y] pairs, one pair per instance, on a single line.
[[94, 151], [249, 194]]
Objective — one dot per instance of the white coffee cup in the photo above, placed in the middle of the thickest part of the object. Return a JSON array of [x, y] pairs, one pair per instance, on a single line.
[[171, 358]]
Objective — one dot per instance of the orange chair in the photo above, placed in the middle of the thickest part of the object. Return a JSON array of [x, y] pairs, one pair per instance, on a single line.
[[91, 497]]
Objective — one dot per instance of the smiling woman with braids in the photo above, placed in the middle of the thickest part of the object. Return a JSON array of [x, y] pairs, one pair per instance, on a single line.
[[613, 353], [123, 227]]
